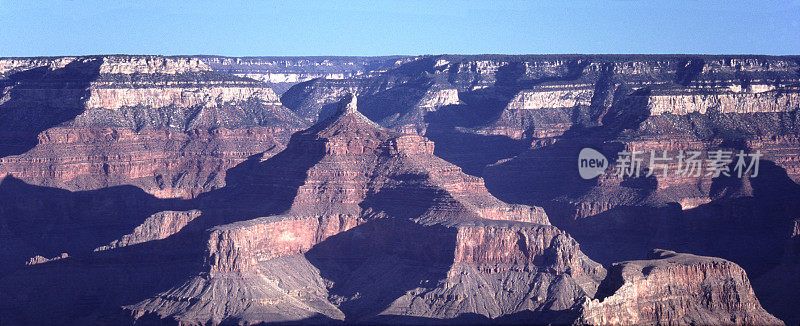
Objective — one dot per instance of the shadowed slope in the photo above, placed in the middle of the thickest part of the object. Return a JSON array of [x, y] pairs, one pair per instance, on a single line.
[[37, 99]]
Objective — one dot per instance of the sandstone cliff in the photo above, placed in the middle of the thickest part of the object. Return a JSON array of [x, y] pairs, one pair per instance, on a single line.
[[673, 288], [377, 203], [169, 125]]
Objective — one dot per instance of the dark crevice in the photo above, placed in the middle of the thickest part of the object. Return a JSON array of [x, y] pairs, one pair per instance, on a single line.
[[611, 283], [688, 70]]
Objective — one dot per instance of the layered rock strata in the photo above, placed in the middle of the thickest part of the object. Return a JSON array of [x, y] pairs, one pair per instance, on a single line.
[[177, 127], [377, 202], [673, 288], [170, 125]]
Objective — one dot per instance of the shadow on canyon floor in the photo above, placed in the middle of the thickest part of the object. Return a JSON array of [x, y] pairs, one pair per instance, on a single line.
[[24, 115], [446, 126], [90, 287], [375, 263], [37, 220], [541, 175], [520, 318], [751, 231]]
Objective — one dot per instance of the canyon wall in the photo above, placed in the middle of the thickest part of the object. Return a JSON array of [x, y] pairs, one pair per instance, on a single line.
[[667, 289], [241, 175], [169, 125]]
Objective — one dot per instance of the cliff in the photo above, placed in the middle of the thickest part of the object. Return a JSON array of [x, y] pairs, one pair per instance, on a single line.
[[284, 72], [371, 202], [199, 180], [169, 125], [676, 288]]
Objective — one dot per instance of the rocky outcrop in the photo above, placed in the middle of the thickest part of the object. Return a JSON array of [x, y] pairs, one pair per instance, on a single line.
[[157, 97], [242, 246], [289, 289], [127, 65], [436, 99], [120, 64], [372, 188], [541, 99], [156, 227], [169, 125], [673, 288], [167, 163], [283, 73], [502, 268], [724, 102], [39, 259]]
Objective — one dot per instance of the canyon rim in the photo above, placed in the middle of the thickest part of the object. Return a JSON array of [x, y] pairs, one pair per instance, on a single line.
[[435, 189]]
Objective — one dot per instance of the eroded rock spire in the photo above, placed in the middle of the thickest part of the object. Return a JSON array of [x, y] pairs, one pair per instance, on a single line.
[[348, 104]]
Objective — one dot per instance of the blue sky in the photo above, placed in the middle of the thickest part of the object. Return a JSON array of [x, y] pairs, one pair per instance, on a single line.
[[263, 28]]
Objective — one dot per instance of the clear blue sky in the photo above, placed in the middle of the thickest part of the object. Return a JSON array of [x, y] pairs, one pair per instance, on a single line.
[[398, 27]]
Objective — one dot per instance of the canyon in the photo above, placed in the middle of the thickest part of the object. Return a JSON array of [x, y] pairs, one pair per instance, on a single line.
[[408, 189]]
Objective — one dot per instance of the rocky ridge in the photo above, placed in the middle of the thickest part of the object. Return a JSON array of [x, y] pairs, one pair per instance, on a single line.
[[374, 188], [666, 289], [170, 125], [177, 127]]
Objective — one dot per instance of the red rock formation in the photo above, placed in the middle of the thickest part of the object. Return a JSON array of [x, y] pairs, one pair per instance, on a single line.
[[166, 163], [352, 221], [673, 288], [156, 227], [366, 177], [168, 125], [502, 268]]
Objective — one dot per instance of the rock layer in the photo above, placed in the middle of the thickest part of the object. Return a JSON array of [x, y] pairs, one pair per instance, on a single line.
[[169, 125], [368, 193], [287, 222], [674, 288]]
